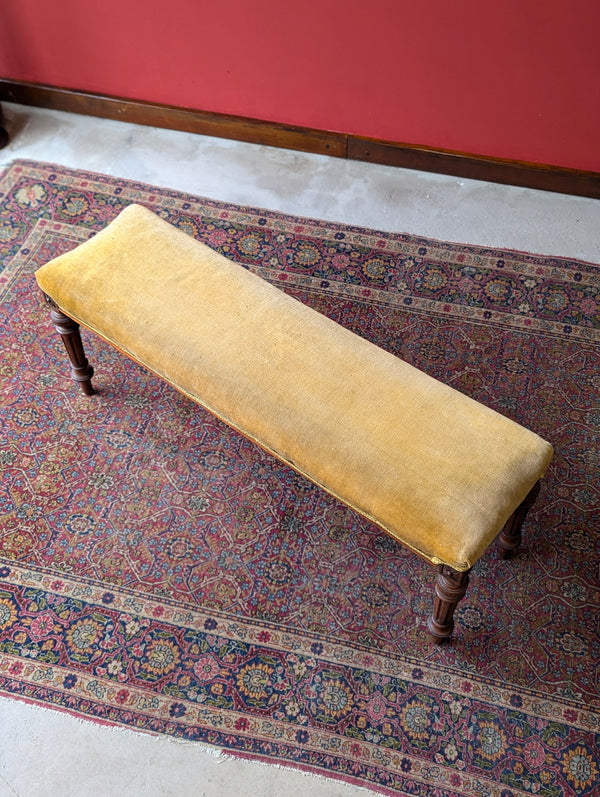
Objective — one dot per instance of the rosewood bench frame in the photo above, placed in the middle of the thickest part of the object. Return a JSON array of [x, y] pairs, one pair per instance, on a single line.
[[450, 586]]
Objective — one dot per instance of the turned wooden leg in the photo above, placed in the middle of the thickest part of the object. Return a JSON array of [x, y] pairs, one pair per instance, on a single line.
[[3, 133], [81, 370], [450, 588], [509, 538]]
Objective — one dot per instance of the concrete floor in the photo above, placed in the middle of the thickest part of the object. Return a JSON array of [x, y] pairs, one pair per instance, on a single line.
[[46, 753]]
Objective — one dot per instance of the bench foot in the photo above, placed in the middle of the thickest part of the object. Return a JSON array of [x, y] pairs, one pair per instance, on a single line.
[[509, 538], [450, 588], [81, 370], [3, 133]]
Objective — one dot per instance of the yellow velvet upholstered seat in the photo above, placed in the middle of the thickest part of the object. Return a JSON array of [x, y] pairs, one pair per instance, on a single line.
[[438, 471]]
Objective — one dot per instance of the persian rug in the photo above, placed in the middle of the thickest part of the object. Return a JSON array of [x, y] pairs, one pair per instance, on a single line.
[[160, 572]]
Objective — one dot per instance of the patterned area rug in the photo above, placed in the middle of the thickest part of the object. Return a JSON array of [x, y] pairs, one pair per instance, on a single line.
[[160, 572]]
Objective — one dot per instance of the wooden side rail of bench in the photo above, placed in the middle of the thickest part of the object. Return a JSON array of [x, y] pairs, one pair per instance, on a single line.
[[436, 470]]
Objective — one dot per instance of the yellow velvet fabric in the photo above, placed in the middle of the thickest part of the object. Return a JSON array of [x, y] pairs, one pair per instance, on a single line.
[[438, 471]]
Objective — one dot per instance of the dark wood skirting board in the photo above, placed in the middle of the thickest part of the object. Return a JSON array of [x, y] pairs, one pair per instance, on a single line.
[[340, 145], [478, 167], [174, 118]]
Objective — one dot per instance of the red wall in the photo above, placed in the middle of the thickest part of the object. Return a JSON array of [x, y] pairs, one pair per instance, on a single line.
[[515, 79]]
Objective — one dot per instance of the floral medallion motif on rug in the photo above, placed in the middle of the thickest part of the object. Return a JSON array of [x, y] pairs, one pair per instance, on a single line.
[[160, 572]]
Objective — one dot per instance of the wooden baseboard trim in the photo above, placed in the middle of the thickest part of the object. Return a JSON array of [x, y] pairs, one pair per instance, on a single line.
[[478, 167], [340, 145], [174, 118]]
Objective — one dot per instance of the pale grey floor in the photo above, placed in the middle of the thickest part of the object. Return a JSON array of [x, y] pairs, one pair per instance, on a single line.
[[47, 753]]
